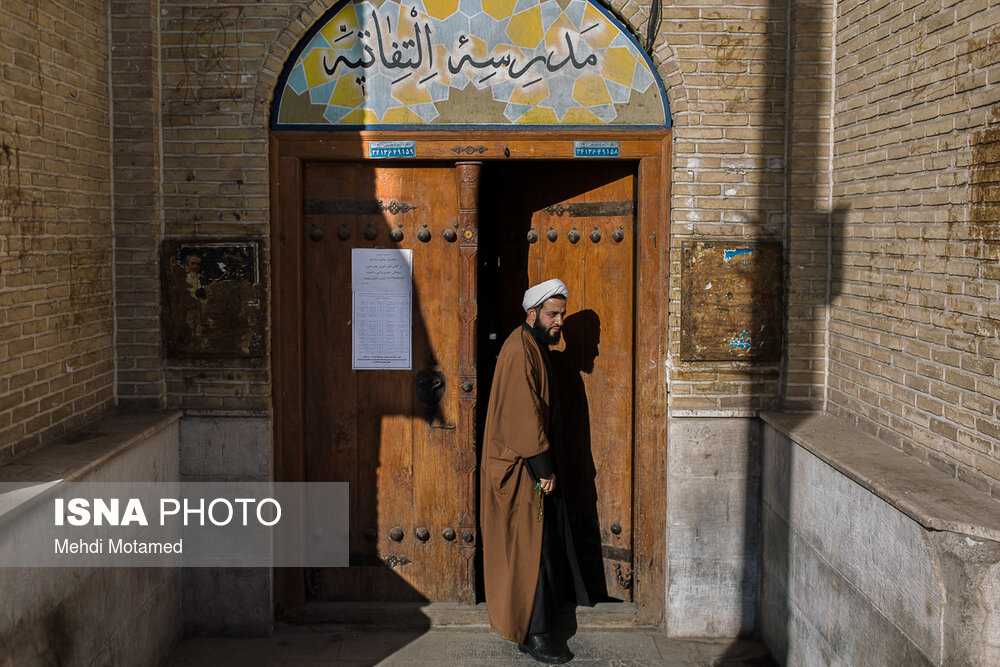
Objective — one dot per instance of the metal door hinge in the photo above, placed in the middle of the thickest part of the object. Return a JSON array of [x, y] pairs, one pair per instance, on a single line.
[[591, 209]]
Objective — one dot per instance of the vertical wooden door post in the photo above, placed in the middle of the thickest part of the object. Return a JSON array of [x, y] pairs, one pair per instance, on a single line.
[[468, 222]]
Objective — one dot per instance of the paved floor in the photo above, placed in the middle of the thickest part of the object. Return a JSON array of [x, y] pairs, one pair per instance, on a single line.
[[341, 646]]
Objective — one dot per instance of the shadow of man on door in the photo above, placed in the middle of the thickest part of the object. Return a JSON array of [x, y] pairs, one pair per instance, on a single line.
[[582, 334]]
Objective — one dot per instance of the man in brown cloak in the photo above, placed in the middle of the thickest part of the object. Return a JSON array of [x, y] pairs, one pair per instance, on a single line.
[[527, 546]]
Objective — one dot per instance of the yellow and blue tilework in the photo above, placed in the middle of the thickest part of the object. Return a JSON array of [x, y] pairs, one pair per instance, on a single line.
[[470, 62]]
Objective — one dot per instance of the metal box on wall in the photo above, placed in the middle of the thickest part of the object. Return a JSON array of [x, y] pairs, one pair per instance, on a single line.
[[214, 303], [731, 295]]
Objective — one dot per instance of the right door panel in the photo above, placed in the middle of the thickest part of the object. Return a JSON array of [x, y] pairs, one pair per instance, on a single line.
[[575, 221]]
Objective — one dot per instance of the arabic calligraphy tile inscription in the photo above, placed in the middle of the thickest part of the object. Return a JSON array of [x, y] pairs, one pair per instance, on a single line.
[[547, 62]]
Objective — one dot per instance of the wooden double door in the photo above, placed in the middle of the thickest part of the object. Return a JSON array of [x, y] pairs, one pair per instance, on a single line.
[[407, 440]]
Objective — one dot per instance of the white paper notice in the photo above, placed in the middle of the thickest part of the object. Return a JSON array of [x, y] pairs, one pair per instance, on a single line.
[[382, 322]]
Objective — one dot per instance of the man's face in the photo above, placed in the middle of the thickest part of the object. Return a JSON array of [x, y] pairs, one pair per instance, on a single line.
[[193, 264], [549, 319]]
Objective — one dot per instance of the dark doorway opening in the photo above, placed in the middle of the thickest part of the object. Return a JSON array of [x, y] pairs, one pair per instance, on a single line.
[[575, 221]]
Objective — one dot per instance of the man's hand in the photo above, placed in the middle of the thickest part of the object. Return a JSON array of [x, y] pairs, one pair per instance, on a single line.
[[548, 483]]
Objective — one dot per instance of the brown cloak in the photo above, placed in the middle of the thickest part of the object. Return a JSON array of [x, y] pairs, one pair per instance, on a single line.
[[517, 424]]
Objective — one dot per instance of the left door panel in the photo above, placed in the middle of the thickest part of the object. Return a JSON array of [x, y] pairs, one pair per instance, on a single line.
[[369, 428]]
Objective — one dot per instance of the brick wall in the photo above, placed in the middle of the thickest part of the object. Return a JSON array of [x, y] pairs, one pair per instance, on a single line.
[[750, 86], [137, 199], [751, 161], [726, 68], [909, 204], [215, 164], [191, 160], [915, 330], [56, 354]]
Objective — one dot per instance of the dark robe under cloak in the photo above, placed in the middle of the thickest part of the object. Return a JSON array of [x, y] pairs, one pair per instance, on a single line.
[[519, 427]]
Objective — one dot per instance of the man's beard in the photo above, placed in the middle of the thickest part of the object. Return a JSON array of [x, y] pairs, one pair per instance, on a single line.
[[546, 334]]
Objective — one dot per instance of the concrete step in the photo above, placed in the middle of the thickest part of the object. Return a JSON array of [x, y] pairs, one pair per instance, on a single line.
[[447, 614]]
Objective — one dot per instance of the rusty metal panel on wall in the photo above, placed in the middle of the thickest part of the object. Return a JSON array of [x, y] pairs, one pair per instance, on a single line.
[[213, 299], [731, 300]]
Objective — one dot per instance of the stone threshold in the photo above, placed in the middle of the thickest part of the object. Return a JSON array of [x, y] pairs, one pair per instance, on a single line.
[[447, 615], [36, 474], [928, 496]]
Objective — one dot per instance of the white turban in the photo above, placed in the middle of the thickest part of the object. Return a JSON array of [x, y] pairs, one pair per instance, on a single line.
[[542, 292]]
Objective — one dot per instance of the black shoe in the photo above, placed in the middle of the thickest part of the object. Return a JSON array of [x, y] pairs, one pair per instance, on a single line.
[[541, 649]]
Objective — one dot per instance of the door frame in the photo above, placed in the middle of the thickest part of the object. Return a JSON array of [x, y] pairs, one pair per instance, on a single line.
[[650, 149]]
